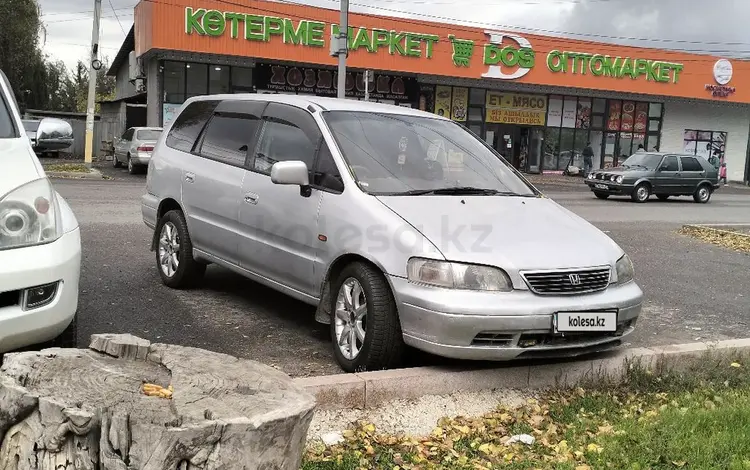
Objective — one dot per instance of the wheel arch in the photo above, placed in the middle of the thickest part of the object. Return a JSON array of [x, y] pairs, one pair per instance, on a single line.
[[323, 314], [166, 205], [643, 180]]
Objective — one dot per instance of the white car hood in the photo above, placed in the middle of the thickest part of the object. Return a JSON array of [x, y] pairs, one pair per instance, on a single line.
[[513, 233], [18, 164]]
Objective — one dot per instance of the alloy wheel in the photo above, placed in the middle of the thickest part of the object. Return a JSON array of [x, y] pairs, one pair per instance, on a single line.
[[351, 318], [703, 193], [169, 249], [642, 193]]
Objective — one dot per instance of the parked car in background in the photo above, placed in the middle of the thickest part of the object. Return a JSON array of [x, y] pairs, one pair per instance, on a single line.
[[346, 205], [134, 148], [40, 244], [48, 136], [661, 174]]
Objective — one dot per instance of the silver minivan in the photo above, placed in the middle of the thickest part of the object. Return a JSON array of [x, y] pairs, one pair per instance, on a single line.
[[402, 227]]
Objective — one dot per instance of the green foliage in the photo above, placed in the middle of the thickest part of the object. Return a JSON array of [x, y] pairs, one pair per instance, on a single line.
[[38, 81]]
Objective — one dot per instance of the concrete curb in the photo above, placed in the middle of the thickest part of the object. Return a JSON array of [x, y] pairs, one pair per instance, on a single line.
[[93, 174], [372, 389]]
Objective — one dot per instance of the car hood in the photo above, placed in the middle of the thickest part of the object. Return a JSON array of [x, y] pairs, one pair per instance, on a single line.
[[514, 233], [19, 164]]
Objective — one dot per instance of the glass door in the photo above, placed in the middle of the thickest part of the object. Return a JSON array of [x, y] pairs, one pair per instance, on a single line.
[[536, 139]]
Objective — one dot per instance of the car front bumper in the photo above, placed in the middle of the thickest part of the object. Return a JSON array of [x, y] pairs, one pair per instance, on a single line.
[[24, 268], [609, 187], [504, 326]]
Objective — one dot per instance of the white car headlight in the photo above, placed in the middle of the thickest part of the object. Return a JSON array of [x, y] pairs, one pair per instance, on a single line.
[[619, 179], [29, 215], [624, 270], [458, 275]]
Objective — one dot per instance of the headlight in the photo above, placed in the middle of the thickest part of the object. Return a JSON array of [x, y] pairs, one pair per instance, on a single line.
[[624, 270], [458, 275], [612, 178], [29, 215], [619, 179], [592, 176]]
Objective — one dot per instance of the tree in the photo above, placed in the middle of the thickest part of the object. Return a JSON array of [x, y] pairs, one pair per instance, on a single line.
[[20, 53]]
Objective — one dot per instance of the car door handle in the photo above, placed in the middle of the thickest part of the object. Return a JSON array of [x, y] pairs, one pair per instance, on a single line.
[[189, 177], [251, 198]]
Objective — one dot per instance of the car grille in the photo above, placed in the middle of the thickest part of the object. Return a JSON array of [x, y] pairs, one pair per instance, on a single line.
[[578, 281], [492, 338]]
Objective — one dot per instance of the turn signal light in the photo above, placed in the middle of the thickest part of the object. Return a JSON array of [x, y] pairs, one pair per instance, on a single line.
[[146, 148]]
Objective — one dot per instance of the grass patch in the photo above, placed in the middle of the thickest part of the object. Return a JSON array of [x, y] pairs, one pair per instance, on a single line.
[[67, 167], [655, 417], [730, 239]]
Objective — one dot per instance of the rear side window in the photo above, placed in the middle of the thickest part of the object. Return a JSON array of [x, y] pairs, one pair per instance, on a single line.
[[189, 124], [227, 138], [691, 164]]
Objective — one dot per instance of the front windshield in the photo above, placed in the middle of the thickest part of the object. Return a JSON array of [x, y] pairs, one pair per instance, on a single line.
[[398, 154], [643, 160]]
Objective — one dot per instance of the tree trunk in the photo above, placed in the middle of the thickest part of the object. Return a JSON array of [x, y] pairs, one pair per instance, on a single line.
[[71, 409]]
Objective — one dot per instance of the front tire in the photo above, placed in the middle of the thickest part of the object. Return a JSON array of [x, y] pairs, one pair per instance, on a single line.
[[641, 193], [601, 195], [365, 327], [174, 253], [132, 167], [703, 194]]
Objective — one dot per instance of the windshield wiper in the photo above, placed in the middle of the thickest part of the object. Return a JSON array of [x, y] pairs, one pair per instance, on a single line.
[[457, 191]]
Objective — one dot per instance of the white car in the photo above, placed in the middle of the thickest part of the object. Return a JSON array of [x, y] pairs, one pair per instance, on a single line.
[[40, 244]]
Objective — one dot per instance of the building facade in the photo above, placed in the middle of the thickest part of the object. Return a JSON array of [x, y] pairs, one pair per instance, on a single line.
[[537, 99]]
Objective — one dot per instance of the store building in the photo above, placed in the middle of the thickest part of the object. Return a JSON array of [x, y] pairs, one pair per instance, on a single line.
[[537, 99]]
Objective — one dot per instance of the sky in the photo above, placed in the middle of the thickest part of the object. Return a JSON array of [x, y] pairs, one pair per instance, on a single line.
[[717, 27]]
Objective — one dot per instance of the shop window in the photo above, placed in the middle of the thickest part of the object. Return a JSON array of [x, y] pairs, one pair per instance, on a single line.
[[196, 80], [218, 80], [227, 139], [583, 114], [638, 139], [654, 110], [475, 114], [599, 106], [174, 82], [653, 125], [652, 141], [569, 112], [597, 122], [554, 111], [567, 142], [710, 145], [476, 96], [551, 148], [242, 80], [610, 150], [626, 144], [596, 145], [189, 124]]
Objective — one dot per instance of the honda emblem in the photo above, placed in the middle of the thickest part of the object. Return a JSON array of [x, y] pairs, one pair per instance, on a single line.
[[575, 279]]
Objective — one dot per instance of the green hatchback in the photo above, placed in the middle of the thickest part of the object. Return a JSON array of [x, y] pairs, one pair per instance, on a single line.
[[661, 174]]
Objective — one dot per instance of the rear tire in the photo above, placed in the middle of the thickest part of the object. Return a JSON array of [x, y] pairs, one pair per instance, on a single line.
[[174, 253], [383, 344], [133, 169], [662, 197], [601, 195], [703, 194], [641, 193]]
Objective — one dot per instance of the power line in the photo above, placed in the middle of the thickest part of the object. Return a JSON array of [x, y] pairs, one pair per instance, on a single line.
[[83, 18], [117, 17], [60, 13]]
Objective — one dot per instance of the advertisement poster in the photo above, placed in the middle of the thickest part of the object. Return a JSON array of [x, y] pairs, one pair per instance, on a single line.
[[554, 115], [613, 121], [569, 112], [628, 116], [641, 117], [460, 104], [583, 118], [443, 100], [516, 108], [168, 112]]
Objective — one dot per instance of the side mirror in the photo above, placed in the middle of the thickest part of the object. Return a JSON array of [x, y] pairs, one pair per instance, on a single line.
[[293, 173], [55, 134]]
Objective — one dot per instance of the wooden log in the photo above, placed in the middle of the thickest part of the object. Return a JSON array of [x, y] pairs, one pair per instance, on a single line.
[[127, 404]]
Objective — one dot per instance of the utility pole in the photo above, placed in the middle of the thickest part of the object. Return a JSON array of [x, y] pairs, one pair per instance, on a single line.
[[94, 66], [343, 47], [367, 85]]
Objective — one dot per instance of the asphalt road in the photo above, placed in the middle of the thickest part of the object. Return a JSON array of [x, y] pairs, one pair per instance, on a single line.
[[695, 291]]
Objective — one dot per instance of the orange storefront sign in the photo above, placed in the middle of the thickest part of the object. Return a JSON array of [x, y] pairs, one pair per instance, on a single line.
[[285, 32]]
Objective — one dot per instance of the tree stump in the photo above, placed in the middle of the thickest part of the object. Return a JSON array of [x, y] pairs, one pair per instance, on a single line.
[[87, 409]]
